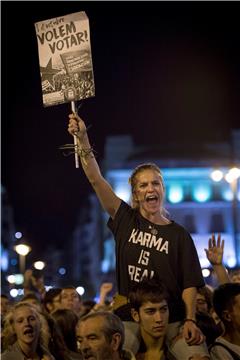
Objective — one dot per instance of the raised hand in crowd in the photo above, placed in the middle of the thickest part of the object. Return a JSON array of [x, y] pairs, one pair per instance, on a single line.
[[214, 255], [215, 250], [104, 290]]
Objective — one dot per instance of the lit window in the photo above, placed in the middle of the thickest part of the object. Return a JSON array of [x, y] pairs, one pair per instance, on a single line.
[[227, 195], [217, 224], [189, 223], [202, 192], [175, 194]]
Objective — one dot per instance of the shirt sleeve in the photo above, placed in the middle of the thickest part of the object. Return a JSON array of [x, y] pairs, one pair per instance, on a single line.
[[189, 262], [121, 216], [219, 353]]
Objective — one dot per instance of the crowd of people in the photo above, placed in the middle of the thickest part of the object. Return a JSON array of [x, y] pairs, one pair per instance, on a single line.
[[163, 310], [58, 324]]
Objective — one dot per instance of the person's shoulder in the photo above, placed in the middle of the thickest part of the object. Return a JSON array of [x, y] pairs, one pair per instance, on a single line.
[[46, 354], [125, 205], [125, 208], [178, 227], [225, 342], [222, 349], [74, 356], [128, 355], [8, 355], [12, 353]]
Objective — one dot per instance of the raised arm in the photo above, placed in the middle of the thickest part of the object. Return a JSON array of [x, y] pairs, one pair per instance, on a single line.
[[108, 199], [214, 255]]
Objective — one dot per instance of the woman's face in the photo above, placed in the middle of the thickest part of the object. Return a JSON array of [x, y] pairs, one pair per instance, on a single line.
[[26, 325], [149, 191]]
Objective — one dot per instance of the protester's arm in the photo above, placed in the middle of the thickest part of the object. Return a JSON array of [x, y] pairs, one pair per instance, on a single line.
[[214, 255], [104, 290], [27, 283], [38, 284], [108, 199], [191, 332], [31, 283]]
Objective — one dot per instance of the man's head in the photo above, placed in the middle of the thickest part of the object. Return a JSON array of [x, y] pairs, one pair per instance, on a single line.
[[51, 299], [204, 299], [33, 299], [100, 336], [235, 276], [5, 304], [226, 302], [148, 301], [70, 299]]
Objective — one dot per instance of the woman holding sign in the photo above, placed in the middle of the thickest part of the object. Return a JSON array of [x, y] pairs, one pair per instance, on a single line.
[[148, 244]]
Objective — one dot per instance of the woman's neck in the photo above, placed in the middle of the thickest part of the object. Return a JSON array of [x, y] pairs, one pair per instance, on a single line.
[[156, 218], [29, 350]]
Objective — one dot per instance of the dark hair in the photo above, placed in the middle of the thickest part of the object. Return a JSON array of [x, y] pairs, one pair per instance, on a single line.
[[208, 326], [87, 306], [147, 290], [66, 320], [208, 295], [235, 272], [37, 274], [51, 294], [70, 287], [56, 345], [112, 325], [31, 296], [224, 298], [4, 296]]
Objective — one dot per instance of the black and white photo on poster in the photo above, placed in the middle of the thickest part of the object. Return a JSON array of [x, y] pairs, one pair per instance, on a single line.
[[65, 59]]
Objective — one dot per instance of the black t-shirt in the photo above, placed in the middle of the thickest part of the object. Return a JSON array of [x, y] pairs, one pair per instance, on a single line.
[[144, 249]]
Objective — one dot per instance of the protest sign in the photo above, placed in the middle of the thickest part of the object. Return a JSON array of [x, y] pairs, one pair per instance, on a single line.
[[65, 59]]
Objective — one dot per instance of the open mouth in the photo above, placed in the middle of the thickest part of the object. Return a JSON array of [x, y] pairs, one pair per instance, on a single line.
[[28, 331], [88, 356], [151, 199]]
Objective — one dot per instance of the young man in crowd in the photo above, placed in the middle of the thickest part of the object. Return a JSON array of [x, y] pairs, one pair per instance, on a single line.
[[148, 301], [71, 299], [226, 302], [158, 338]]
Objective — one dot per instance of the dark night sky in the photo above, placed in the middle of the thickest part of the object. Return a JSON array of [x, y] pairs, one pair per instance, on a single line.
[[164, 71]]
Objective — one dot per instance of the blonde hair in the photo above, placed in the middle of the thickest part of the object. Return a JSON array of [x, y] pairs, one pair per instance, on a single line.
[[8, 334], [133, 181]]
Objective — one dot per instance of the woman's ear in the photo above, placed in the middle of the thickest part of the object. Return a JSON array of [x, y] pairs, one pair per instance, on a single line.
[[134, 196], [135, 315]]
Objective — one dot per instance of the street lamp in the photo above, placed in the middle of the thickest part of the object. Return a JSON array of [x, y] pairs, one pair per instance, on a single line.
[[22, 250], [39, 265], [231, 176]]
